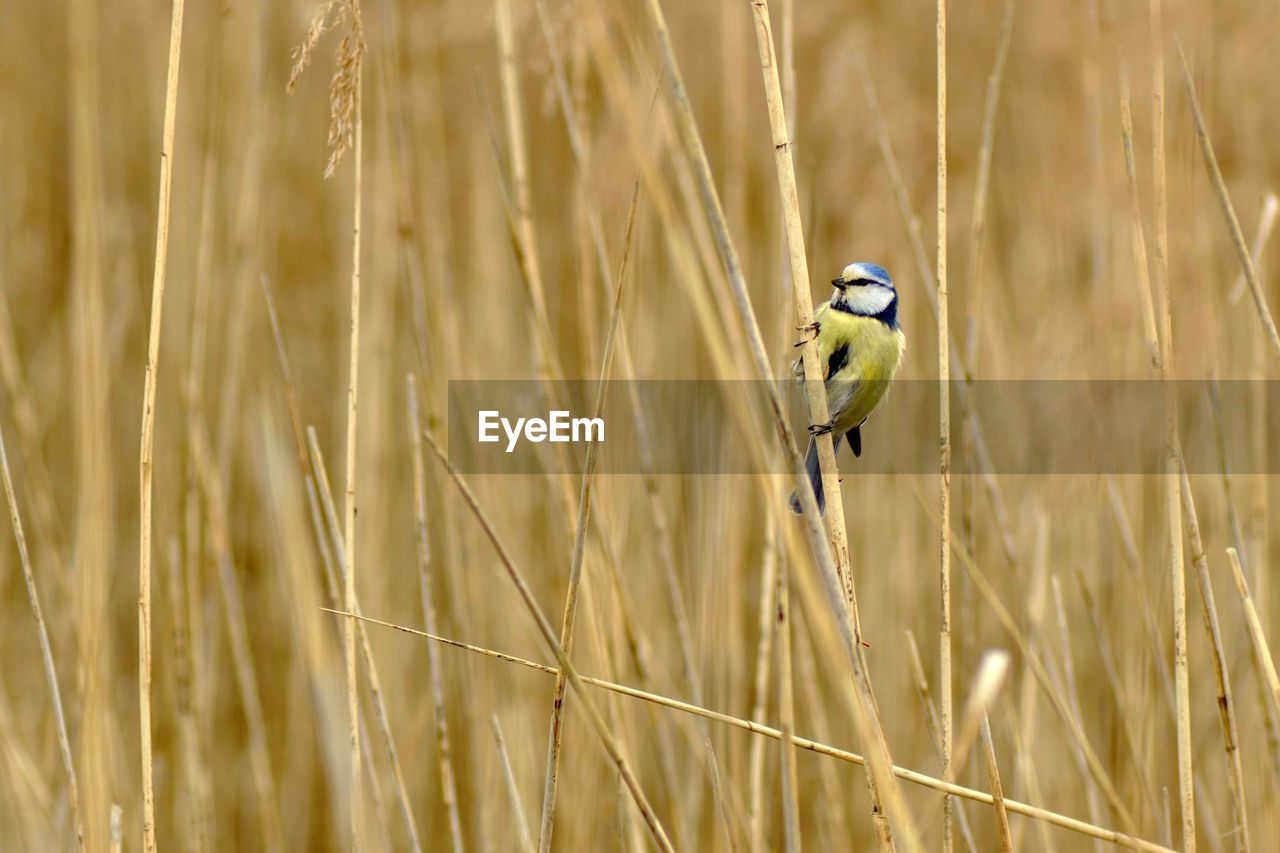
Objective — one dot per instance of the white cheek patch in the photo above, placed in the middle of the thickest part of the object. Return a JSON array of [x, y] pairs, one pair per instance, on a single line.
[[867, 299]]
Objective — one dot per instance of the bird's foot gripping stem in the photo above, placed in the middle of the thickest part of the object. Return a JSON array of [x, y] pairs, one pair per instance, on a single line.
[[816, 430], [815, 327]]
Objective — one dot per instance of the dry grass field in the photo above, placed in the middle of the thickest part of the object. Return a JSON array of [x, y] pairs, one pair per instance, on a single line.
[[499, 169]]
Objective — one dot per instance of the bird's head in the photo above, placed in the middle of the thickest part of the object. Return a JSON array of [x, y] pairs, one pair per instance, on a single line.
[[865, 289]]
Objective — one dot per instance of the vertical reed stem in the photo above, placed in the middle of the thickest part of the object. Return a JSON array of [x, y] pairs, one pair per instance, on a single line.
[[944, 437], [147, 449]]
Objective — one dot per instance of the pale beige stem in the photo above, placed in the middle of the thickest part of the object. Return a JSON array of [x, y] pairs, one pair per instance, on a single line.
[[147, 449]]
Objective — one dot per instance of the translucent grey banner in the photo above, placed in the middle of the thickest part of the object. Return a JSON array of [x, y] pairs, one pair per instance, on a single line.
[[724, 427]]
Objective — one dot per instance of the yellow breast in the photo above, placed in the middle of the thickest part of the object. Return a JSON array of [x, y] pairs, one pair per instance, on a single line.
[[871, 354]]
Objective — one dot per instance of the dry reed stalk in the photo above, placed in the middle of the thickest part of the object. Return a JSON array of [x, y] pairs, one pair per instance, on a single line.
[[238, 634], [921, 683], [978, 222], [944, 437], [513, 791], [1229, 211], [1072, 693], [988, 680], [997, 790], [1137, 241], [1032, 658], [786, 713], [656, 831], [147, 448], [46, 649], [376, 694], [916, 778], [1263, 662], [766, 634], [1173, 509], [798, 265], [1221, 671], [1266, 224], [444, 760], [353, 385], [927, 286], [833, 561], [547, 825]]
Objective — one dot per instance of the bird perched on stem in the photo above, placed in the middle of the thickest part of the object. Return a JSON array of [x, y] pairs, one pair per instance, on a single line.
[[859, 349]]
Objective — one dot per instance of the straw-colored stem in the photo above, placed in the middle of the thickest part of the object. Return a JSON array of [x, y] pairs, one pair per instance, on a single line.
[[787, 713], [547, 825], [349, 502], [1226, 703], [238, 635], [321, 476], [766, 634], [887, 806], [147, 449], [46, 649], [444, 758], [1229, 212], [921, 682], [1263, 661], [914, 777], [513, 791], [997, 790], [1172, 501], [944, 436], [656, 831]]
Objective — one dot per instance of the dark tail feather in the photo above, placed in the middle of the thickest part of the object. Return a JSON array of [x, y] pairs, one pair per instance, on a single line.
[[814, 470]]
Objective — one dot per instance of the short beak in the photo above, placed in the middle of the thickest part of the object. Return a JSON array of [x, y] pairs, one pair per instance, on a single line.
[[840, 283]]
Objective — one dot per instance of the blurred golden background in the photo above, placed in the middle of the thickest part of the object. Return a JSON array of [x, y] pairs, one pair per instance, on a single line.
[[248, 701]]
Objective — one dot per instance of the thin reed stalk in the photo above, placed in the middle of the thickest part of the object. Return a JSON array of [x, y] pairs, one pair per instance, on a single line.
[[1229, 212], [997, 790], [1221, 670], [1172, 488], [444, 760], [914, 777], [353, 388], [944, 439], [46, 649], [1263, 662], [787, 713], [513, 792], [766, 633], [147, 450], [656, 831], [547, 824], [819, 413]]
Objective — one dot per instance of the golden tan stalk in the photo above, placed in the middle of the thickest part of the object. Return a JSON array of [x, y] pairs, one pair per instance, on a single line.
[[766, 634], [656, 831], [997, 790], [513, 792], [579, 548], [443, 749], [356, 54], [1172, 498], [944, 438], [1221, 670], [787, 713], [1263, 663], [46, 649], [884, 812], [912, 776], [1229, 211], [147, 450]]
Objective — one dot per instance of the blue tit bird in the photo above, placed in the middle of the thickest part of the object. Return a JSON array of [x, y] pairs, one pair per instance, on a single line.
[[859, 348]]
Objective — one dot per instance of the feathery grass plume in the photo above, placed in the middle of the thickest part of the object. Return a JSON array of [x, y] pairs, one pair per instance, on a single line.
[[344, 82]]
